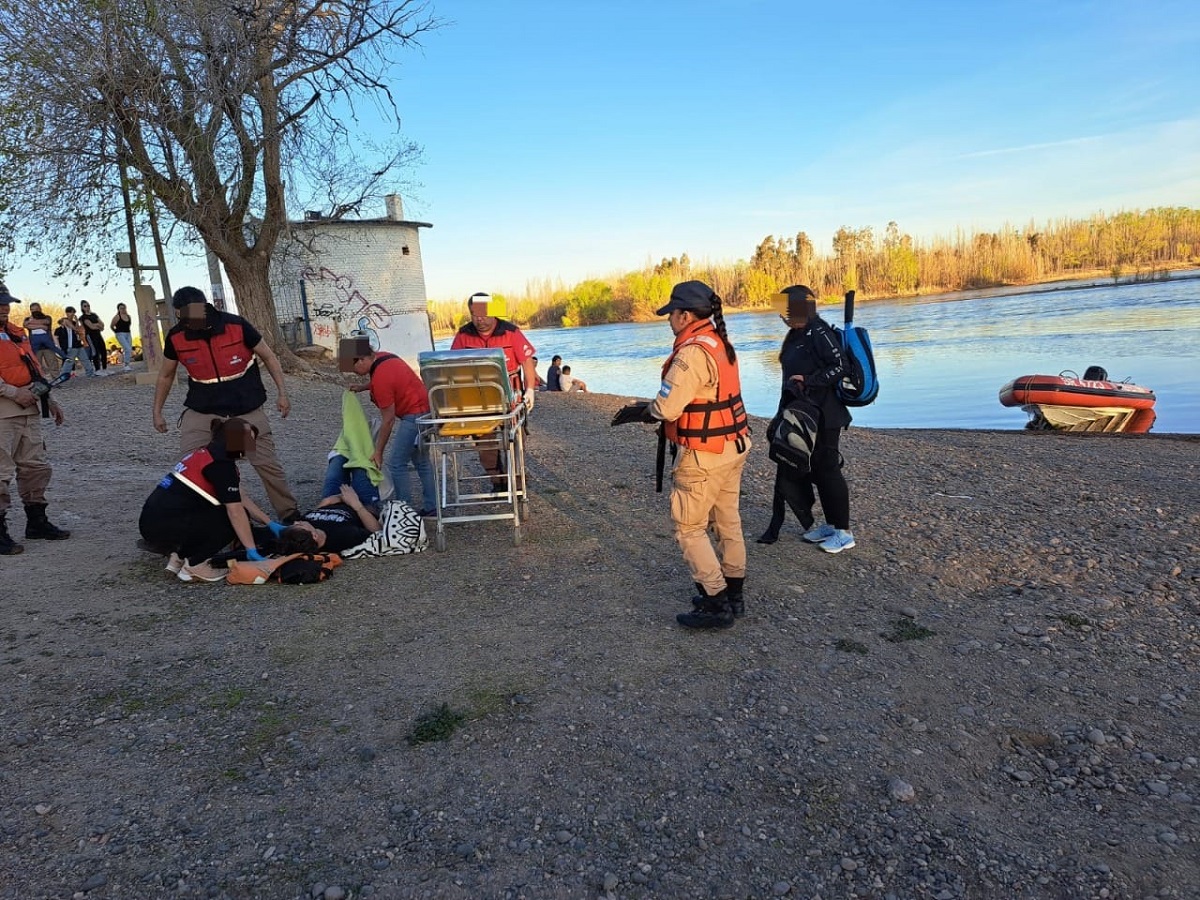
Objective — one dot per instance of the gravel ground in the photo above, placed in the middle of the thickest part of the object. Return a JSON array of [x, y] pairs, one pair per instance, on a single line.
[[991, 696]]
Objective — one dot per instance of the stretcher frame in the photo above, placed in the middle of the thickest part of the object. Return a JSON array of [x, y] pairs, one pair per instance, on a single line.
[[472, 407]]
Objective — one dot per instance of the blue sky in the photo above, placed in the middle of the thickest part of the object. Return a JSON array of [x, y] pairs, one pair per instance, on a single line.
[[564, 140]]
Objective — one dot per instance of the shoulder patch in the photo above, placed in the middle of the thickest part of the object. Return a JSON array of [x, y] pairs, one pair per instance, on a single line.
[[664, 390]]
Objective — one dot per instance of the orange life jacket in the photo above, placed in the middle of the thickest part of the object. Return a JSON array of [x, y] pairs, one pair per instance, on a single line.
[[16, 358], [708, 424], [190, 471]]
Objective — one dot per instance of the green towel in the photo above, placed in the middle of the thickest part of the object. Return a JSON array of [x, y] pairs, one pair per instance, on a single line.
[[355, 442]]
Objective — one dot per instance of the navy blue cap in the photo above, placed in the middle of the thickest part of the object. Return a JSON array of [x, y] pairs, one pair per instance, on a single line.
[[694, 295]]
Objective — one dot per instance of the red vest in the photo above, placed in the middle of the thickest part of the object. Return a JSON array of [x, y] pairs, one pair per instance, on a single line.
[[216, 357], [190, 471], [708, 424], [14, 352]]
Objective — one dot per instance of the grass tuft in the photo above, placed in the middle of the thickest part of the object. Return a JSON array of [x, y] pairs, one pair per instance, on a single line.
[[848, 646], [1074, 620], [436, 725], [907, 630]]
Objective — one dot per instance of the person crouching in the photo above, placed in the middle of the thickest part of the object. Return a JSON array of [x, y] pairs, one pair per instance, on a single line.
[[198, 508]]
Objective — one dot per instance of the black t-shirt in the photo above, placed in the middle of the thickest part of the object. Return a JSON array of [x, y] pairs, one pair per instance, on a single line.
[[342, 526], [122, 325]]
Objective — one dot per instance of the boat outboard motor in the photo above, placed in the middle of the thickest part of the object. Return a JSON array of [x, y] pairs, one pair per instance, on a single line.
[[1095, 373]]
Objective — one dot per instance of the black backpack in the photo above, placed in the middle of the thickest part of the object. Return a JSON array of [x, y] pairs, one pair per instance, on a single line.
[[793, 434]]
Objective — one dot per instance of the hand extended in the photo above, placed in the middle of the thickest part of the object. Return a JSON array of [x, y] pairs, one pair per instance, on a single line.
[[634, 412]]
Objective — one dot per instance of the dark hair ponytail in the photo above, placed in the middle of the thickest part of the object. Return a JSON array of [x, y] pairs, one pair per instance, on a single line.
[[719, 325]]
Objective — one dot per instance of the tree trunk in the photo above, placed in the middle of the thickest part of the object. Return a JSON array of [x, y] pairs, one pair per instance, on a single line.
[[251, 285]]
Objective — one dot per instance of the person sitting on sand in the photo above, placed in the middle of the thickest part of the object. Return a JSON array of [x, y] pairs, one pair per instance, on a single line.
[[570, 383]]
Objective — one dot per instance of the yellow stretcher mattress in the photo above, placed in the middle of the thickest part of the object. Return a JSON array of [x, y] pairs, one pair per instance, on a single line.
[[466, 383]]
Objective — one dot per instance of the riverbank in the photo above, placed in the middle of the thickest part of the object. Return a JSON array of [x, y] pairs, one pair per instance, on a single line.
[[1075, 281], [991, 696]]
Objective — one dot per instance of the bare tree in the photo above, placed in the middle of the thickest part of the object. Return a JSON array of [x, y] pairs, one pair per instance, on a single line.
[[225, 110]]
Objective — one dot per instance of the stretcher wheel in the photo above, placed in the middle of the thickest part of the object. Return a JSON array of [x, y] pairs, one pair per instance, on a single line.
[[439, 541]]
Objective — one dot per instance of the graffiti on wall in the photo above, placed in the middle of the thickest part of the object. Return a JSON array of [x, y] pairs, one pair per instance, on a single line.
[[348, 303], [149, 329]]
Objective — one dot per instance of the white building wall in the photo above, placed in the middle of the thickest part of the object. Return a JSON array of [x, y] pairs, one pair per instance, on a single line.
[[357, 276]]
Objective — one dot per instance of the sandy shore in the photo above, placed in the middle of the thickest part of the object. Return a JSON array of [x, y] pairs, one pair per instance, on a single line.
[[992, 695]]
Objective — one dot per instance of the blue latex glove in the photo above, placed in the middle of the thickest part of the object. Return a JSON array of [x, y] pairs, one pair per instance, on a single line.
[[276, 528], [252, 553]]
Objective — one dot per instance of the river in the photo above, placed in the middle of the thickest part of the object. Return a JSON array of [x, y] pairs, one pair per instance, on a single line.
[[943, 360]]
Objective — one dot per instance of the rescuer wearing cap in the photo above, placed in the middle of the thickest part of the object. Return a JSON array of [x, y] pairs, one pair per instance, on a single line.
[[222, 353], [22, 448], [700, 406]]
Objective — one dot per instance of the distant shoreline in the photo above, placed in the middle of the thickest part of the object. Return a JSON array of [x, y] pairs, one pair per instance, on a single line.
[[1076, 282]]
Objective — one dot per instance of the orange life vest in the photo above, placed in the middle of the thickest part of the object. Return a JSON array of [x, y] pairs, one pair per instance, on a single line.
[[708, 424], [16, 358], [190, 471]]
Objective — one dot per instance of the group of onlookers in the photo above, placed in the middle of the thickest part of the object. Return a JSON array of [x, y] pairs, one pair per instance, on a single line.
[[77, 339]]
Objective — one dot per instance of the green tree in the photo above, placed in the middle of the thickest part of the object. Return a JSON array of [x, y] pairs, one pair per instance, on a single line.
[[900, 261], [851, 247], [593, 303]]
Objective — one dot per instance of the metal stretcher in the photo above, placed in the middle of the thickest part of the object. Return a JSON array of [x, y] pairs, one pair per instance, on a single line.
[[473, 407]]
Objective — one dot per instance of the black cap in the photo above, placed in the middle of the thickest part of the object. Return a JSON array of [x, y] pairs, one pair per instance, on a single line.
[[5, 297], [694, 295]]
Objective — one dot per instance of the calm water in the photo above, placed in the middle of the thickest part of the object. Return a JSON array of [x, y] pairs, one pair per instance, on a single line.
[[943, 361]]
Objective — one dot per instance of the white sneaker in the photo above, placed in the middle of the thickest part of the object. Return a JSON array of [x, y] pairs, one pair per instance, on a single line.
[[838, 541], [175, 563], [819, 534], [202, 571]]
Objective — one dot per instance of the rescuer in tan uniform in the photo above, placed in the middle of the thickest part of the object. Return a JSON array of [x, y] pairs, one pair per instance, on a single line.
[[700, 406]]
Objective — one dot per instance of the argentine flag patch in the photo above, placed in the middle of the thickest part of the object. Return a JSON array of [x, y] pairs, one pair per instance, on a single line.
[[664, 390]]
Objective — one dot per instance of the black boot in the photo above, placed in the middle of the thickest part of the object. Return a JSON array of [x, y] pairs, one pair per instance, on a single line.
[[733, 589], [734, 592], [38, 527], [712, 612], [8, 547]]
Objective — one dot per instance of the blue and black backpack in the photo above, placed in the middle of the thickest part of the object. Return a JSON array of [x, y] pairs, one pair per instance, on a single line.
[[860, 385]]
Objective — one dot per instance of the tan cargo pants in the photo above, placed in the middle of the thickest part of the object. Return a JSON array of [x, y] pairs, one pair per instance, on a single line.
[[23, 454], [707, 487]]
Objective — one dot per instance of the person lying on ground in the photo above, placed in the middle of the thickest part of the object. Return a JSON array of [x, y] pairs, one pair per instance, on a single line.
[[338, 523]]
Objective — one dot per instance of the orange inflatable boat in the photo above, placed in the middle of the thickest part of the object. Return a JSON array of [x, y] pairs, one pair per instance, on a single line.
[[1092, 403]]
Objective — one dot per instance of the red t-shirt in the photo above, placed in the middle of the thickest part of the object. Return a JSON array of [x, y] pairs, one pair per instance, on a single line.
[[394, 383], [506, 336]]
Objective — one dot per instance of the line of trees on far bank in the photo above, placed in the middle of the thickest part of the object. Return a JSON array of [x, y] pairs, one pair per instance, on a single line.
[[1139, 244]]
